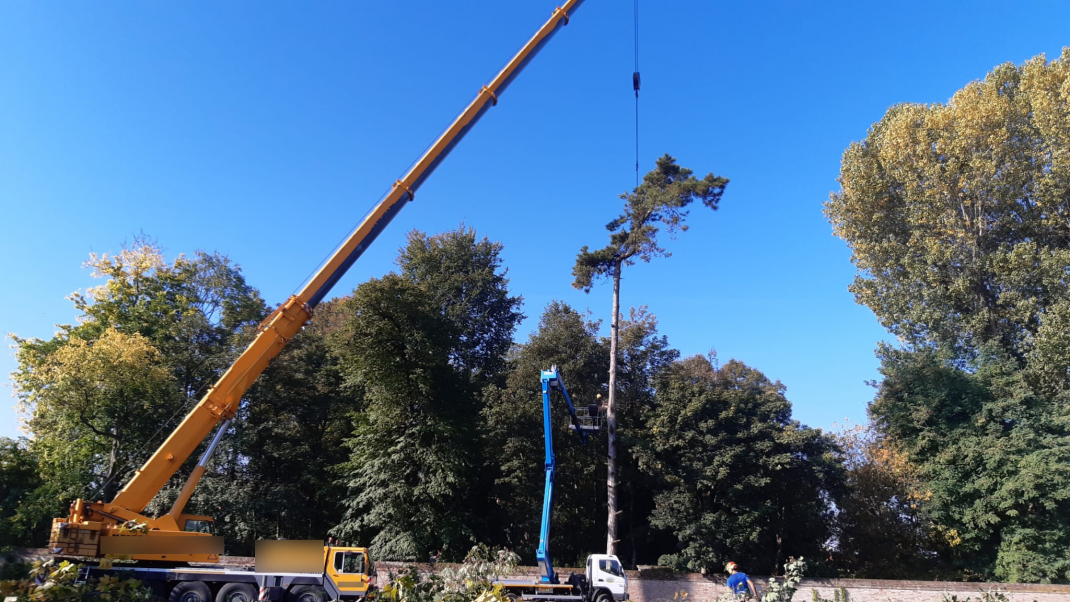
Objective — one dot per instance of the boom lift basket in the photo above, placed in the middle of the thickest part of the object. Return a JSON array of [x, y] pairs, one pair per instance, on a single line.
[[589, 418]]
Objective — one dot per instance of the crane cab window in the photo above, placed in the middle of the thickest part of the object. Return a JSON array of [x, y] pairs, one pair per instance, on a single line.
[[607, 565], [199, 526], [348, 562]]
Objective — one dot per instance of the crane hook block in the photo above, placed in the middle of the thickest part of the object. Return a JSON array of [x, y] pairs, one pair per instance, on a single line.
[[635, 82]]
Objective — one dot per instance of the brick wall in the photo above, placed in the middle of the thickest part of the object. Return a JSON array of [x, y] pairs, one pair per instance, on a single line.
[[668, 587], [660, 585]]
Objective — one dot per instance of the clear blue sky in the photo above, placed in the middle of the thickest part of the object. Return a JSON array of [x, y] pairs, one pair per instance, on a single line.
[[265, 130]]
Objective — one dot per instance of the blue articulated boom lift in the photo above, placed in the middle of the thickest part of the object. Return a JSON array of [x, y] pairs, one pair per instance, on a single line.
[[603, 580], [582, 421]]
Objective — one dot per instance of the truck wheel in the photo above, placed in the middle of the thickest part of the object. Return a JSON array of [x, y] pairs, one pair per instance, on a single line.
[[306, 593], [603, 597], [236, 592], [512, 597], [190, 591]]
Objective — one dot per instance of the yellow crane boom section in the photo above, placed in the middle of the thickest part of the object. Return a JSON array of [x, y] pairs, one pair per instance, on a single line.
[[221, 401]]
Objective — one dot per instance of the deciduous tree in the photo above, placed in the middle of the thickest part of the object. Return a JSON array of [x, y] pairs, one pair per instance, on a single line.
[[411, 465], [993, 456], [175, 326], [20, 518], [742, 480], [958, 218], [92, 406], [882, 530], [464, 276]]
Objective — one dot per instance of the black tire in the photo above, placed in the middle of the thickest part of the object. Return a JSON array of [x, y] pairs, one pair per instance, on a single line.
[[237, 592], [190, 591], [512, 597], [306, 593], [603, 597]]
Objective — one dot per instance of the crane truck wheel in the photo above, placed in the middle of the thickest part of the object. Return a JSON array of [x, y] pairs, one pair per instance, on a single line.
[[512, 597], [236, 592], [190, 591], [306, 593], [603, 597]]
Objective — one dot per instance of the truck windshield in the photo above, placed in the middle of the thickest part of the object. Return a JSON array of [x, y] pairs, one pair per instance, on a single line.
[[199, 526], [610, 566], [349, 562]]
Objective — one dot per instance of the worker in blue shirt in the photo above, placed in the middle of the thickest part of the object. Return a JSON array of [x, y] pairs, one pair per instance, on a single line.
[[739, 583]]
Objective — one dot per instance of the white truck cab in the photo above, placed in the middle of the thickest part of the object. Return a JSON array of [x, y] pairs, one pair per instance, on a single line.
[[603, 581], [604, 572]]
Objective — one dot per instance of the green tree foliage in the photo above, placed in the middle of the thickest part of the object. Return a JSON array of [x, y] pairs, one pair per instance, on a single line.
[[191, 310], [994, 458], [514, 434], [661, 201], [420, 345], [293, 430], [19, 478], [464, 277], [272, 476], [742, 480], [92, 405], [101, 394], [52, 582], [882, 530], [958, 219], [473, 581], [412, 463]]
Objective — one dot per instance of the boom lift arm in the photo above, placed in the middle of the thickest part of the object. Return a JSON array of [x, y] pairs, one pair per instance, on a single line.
[[582, 420], [221, 401]]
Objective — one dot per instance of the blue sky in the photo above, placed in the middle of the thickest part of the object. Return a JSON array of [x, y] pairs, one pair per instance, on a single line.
[[265, 130]]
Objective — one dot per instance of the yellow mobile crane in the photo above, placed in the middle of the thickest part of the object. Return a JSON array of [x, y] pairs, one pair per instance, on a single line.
[[99, 528]]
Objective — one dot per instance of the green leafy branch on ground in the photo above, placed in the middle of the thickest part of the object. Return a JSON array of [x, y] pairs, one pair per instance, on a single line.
[[473, 581], [51, 582]]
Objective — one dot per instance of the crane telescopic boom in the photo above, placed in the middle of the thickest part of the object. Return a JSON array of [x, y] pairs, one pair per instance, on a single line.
[[221, 402]]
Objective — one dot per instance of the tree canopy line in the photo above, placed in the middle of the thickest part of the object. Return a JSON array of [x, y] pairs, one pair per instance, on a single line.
[[406, 416]]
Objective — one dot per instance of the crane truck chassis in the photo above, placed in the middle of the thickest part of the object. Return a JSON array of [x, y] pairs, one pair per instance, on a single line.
[[347, 574]]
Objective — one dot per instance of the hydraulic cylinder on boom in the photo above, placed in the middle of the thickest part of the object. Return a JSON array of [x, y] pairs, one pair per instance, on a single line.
[[92, 528]]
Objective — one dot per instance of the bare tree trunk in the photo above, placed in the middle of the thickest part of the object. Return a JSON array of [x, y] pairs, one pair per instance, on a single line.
[[113, 459], [611, 418]]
